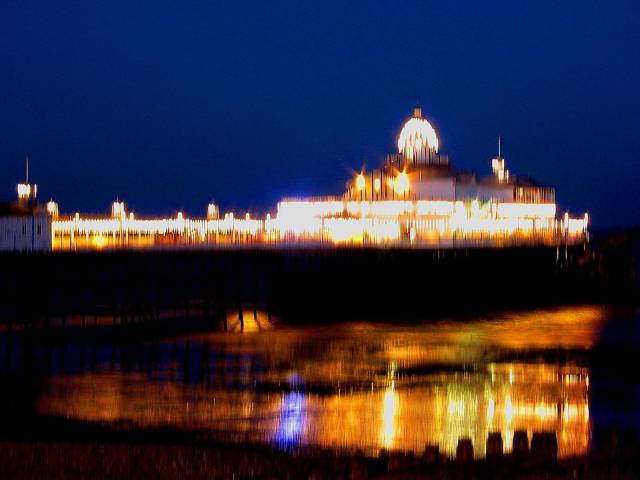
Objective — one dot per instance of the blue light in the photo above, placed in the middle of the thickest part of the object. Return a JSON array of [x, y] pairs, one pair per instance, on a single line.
[[292, 418]]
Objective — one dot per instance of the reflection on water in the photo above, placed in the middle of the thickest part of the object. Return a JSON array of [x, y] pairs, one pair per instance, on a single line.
[[248, 321], [292, 419], [389, 410], [356, 385]]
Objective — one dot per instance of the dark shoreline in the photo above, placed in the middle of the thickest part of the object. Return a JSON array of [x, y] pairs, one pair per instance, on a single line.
[[92, 451]]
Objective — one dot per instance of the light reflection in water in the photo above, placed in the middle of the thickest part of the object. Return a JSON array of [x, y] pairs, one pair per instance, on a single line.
[[291, 420], [252, 321], [389, 411], [359, 385]]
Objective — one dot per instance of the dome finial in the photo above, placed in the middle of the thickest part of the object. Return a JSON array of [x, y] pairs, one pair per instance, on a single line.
[[417, 111]]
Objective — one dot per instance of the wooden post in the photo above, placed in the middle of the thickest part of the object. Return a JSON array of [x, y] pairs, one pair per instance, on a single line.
[[95, 310], [206, 300], [240, 316], [175, 287], [114, 302], [268, 289], [84, 309], [187, 287], [255, 298], [175, 304], [47, 316]]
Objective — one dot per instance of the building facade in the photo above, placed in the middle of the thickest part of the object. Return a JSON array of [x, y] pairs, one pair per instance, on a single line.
[[24, 225]]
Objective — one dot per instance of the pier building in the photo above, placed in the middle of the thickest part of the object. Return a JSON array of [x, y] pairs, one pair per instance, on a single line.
[[417, 198], [24, 224]]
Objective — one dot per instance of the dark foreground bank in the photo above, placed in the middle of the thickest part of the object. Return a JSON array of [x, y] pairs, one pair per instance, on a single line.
[[113, 460]]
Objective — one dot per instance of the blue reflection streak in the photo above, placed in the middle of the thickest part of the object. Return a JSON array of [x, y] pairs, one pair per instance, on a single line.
[[292, 418]]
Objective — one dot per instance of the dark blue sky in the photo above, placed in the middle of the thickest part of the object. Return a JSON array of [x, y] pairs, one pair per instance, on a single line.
[[169, 104]]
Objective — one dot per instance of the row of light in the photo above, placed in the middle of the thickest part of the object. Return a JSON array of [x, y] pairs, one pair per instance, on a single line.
[[341, 221], [399, 184], [300, 209], [128, 224], [543, 410]]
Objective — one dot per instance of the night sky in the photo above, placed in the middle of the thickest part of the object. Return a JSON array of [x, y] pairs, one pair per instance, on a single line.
[[170, 104]]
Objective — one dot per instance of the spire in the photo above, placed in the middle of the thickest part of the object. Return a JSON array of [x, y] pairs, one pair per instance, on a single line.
[[26, 168], [498, 165]]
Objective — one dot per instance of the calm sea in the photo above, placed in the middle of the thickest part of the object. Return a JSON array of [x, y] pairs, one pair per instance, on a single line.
[[357, 385]]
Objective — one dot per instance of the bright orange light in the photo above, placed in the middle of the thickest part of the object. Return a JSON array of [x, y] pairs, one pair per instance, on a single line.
[[52, 208], [99, 242], [401, 183], [361, 183]]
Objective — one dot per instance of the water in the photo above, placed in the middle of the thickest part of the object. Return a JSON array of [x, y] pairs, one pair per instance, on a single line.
[[354, 385]]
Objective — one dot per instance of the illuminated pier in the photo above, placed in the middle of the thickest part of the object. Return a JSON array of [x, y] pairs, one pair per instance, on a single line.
[[350, 222], [416, 199]]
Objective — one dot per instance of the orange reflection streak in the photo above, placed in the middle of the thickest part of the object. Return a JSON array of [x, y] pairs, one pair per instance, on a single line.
[[381, 397], [389, 412], [251, 321], [439, 415]]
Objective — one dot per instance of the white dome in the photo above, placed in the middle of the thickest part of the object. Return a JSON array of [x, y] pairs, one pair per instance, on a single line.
[[417, 137]]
